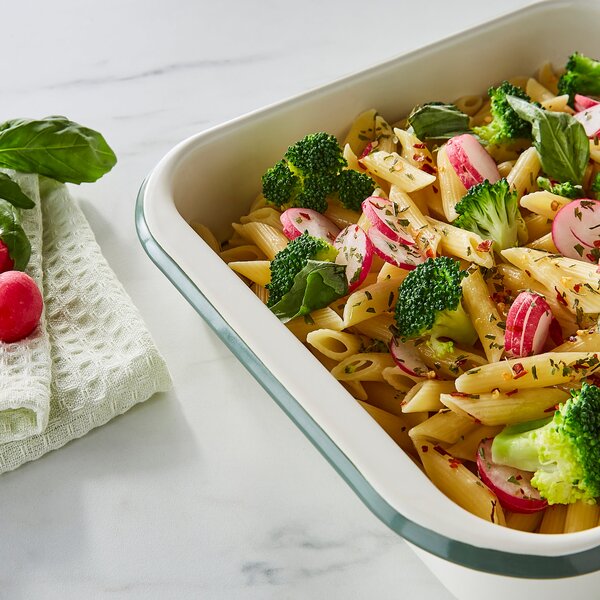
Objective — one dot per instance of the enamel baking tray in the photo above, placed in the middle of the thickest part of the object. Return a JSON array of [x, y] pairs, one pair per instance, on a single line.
[[195, 181]]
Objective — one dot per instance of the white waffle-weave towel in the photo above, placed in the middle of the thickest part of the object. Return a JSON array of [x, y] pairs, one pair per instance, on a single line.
[[92, 357]]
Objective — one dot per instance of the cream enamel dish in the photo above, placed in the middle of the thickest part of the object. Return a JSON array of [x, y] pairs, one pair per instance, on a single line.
[[196, 182]]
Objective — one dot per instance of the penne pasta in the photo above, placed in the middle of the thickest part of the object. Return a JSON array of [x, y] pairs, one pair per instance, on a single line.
[[467, 445], [545, 243], [337, 345], [257, 271], [366, 366], [394, 425], [425, 396], [247, 252], [324, 318], [267, 238], [581, 516], [451, 187], [391, 167], [371, 301], [207, 235], [266, 215], [544, 203], [553, 520], [469, 104], [362, 131], [522, 178], [523, 521], [444, 426], [384, 396]]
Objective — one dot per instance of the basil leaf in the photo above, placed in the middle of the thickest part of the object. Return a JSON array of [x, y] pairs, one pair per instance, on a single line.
[[560, 140], [12, 234], [316, 286], [11, 191], [438, 121], [55, 147]]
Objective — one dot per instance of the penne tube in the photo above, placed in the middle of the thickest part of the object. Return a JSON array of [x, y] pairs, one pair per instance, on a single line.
[[207, 235], [584, 341], [398, 379], [484, 315], [496, 408], [247, 252], [384, 396], [394, 425], [523, 175], [463, 244], [537, 92], [482, 116], [577, 282], [543, 370], [469, 104], [452, 364], [266, 215], [258, 202], [523, 521], [267, 238], [261, 292], [548, 78], [545, 243], [458, 483], [537, 226], [451, 187], [391, 167], [257, 271], [377, 328], [371, 301], [467, 445], [413, 150], [544, 203], [425, 396], [341, 215], [384, 136], [554, 518], [445, 426], [595, 150], [389, 271], [337, 345], [355, 389], [505, 167], [558, 104], [362, 131], [366, 366], [323, 318], [581, 516]]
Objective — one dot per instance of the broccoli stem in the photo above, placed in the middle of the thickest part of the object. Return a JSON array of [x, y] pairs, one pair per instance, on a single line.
[[456, 325], [517, 445]]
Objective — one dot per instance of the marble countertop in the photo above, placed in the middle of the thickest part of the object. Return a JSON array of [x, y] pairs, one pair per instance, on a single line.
[[208, 491]]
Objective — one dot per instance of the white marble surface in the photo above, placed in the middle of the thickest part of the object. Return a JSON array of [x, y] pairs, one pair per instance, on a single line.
[[208, 491]]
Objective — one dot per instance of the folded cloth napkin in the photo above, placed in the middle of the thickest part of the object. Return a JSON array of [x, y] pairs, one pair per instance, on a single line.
[[90, 359]]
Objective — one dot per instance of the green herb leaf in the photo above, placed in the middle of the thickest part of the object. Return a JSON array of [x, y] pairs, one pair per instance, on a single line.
[[10, 190], [12, 234], [55, 147], [438, 121], [560, 140], [316, 286]]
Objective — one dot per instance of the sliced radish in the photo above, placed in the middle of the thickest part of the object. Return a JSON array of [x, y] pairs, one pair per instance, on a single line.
[[296, 221], [382, 214], [527, 325], [356, 252], [576, 230], [583, 102], [6, 262], [405, 355], [590, 119], [470, 160], [512, 486], [398, 254]]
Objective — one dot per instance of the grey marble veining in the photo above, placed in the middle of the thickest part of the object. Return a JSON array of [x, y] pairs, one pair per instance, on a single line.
[[209, 491]]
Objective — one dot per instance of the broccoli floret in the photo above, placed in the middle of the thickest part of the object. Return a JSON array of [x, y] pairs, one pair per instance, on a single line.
[[566, 189], [564, 452], [582, 76], [306, 175], [353, 188], [292, 259], [490, 210], [429, 303], [595, 186], [506, 125]]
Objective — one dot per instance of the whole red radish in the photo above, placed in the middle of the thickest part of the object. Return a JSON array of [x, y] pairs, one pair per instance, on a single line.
[[471, 161], [21, 306], [6, 262], [512, 486]]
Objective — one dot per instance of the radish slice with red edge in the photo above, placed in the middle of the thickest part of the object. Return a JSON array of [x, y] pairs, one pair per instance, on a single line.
[[583, 102], [381, 213], [407, 358], [470, 160], [512, 486], [590, 119], [396, 253], [527, 325], [296, 221], [356, 252], [576, 230]]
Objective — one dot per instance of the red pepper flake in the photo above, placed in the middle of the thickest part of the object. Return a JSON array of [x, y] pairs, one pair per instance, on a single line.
[[424, 448], [552, 409], [477, 421], [362, 166], [428, 169], [596, 243], [435, 191], [460, 395], [519, 477], [518, 370], [511, 393], [440, 450], [305, 216], [577, 287], [560, 298], [485, 246], [418, 157], [528, 273], [429, 253], [454, 463], [419, 145]]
